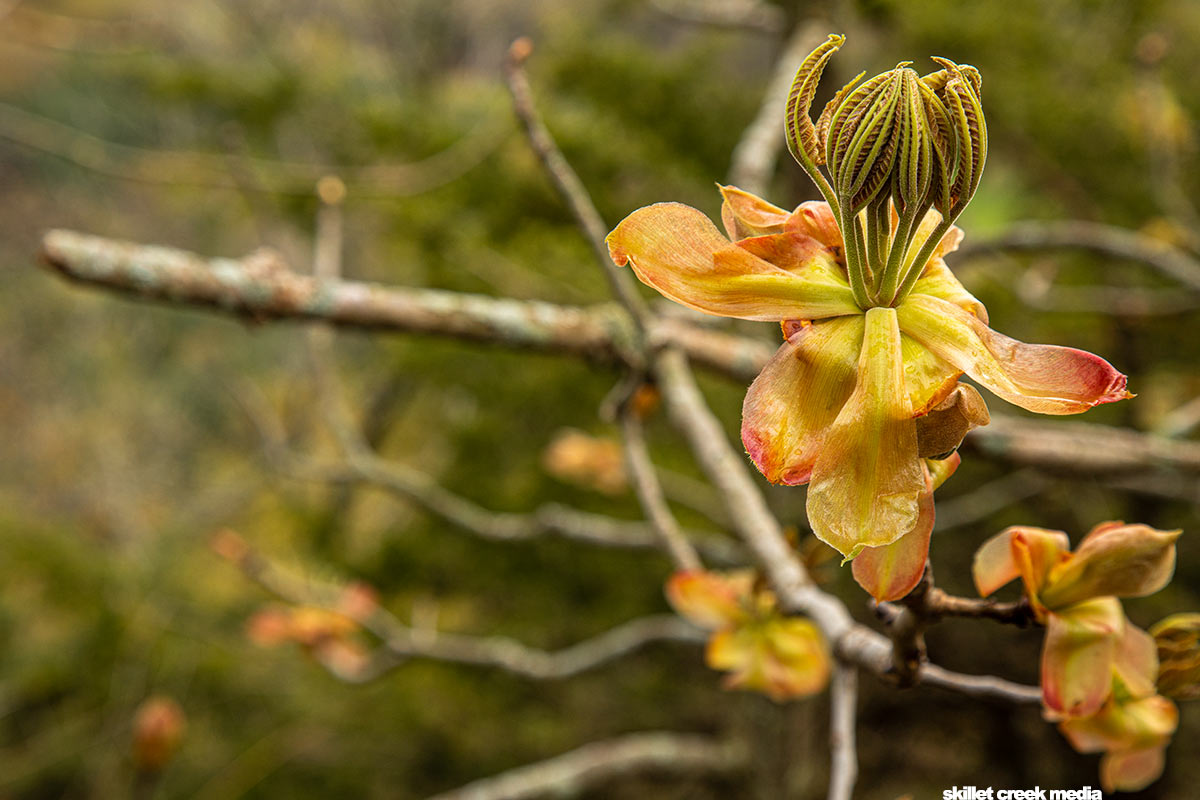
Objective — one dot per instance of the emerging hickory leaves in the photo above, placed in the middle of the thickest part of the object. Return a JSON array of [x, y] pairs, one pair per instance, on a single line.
[[863, 400], [1100, 673]]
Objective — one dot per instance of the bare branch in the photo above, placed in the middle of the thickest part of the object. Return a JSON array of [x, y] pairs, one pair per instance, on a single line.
[[939, 605], [1106, 240], [529, 662], [843, 696], [1082, 448], [987, 686], [572, 773], [989, 498], [400, 642], [1037, 291], [650, 492], [567, 182], [261, 288], [756, 152], [363, 466]]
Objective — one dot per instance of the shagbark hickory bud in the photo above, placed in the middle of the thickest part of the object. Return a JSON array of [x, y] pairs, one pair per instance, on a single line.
[[1178, 641]]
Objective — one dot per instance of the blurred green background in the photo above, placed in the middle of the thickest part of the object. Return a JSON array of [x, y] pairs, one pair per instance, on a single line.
[[126, 442]]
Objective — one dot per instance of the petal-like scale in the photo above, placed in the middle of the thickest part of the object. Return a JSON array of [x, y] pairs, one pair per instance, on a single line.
[[678, 251], [744, 214], [1043, 378], [867, 480], [1028, 553], [796, 252], [938, 281], [815, 218], [928, 379], [1124, 725], [1077, 657], [941, 431], [799, 664], [791, 404], [709, 599], [1131, 770], [784, 658], [1119, 560], [1136, 661], [891, 572], [941, 469], [950, 241]]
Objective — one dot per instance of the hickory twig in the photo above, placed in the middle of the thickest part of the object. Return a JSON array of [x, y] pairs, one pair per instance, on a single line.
[[572, 773], [645, 482], [843, 754], [400, 643], [567, 182]]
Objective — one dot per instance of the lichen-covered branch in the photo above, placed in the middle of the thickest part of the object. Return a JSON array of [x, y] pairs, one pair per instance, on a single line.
[[573, 773], [261, 288]]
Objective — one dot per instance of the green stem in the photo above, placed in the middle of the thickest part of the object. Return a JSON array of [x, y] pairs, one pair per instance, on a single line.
[[900, 244], [818, 178], [853, 246], [914, 269], [878, 230]]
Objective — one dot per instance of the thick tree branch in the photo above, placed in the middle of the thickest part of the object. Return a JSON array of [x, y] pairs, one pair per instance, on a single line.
[[1106, 240], [261, 288], [573, 773]]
